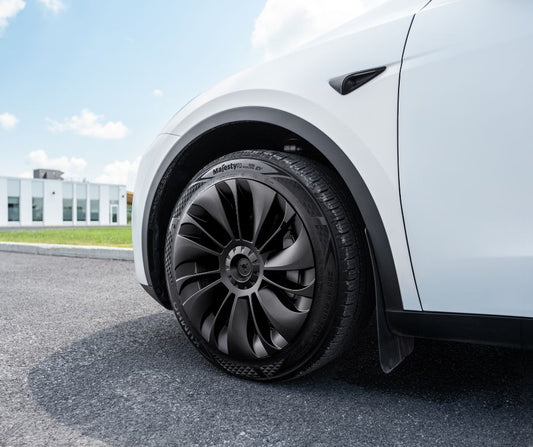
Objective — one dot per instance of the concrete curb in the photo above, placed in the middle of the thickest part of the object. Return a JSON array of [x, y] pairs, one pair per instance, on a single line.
[[72, 251]]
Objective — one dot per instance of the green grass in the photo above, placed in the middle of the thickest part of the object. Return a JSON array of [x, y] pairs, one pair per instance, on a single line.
[[106, 237]]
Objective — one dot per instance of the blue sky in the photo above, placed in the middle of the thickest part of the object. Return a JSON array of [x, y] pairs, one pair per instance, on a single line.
[[85, 85]]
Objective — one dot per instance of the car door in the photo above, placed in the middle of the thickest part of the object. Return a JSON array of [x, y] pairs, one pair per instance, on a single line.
[[465, 130]]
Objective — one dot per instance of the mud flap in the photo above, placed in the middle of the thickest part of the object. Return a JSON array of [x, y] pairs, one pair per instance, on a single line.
[[393, 349]]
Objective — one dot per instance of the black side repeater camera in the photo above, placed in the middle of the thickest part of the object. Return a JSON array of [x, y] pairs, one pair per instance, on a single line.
[[348, 83]]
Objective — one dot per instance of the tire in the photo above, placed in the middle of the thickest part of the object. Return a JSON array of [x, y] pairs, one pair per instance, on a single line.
[[267, 266]]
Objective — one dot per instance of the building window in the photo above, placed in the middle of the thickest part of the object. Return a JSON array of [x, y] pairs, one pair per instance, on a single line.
[[113, 204], [81, 202], [37, 209], [13, 200], [37, 201], [95, 203], [95, 210], [67, 201], [67, 210], [81, 210], [113, 211], [13, 209]]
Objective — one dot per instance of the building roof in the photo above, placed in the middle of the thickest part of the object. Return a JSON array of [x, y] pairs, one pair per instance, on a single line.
[[8, 177]]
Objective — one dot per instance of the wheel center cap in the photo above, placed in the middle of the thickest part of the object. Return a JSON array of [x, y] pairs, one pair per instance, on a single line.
[[242, 267]]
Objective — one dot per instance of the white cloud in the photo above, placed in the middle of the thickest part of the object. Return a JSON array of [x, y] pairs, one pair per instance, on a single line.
[[26, 174], [157, 92], [122, 172], [71, 166], [283, 25], [8, 10], [7, 120], [53, 5], [89, 124]]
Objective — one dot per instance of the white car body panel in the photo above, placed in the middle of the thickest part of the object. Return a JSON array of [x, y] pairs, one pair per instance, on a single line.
[[466, 172], [363, 125], [459, 232]]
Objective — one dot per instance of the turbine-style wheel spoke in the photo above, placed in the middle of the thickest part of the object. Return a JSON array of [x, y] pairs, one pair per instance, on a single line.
[[227, 192], [199, 302], [188, 255], [280, 228], [190, 250], [238, 343], [218, 321], [290, 287], [186, 279], [245, 204], [263, 198], [286, 321], [205, 232], [244, 269], [263, 329], [211, 202], [297, 256]]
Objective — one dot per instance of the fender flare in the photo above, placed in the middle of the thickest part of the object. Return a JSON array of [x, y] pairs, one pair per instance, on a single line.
[[327, 147]]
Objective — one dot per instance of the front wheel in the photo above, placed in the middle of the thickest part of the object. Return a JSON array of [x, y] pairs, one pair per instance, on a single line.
[[267, 267]]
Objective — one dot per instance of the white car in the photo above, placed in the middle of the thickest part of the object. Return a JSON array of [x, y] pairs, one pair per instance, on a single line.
[[388, 165]]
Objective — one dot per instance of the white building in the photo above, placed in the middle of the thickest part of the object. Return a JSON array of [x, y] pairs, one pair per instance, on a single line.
[[47, 202]]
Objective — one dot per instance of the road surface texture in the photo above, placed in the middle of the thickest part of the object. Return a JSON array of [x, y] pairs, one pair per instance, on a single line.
[[87, 358]]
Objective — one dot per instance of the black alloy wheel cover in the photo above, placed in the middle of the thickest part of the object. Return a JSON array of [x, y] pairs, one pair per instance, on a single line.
[[252, 266], [244, 268]]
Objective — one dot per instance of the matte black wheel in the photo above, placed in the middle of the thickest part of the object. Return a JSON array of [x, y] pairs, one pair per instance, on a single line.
[[266, 264]]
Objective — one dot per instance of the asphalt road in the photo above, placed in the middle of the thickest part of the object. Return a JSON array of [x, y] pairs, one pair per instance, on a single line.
[[87, 358]]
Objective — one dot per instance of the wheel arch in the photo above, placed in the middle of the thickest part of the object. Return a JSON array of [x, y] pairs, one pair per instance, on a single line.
[[253, 128]]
